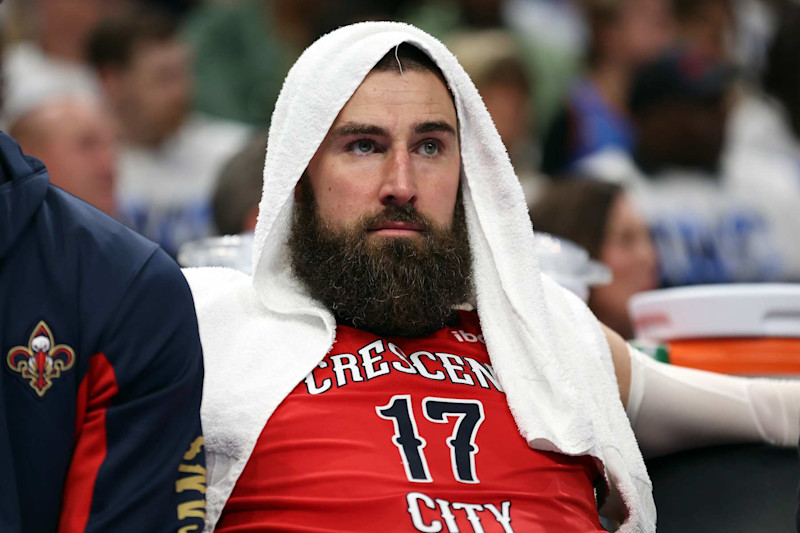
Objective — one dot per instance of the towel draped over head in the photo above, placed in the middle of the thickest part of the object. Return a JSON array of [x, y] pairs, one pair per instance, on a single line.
[[263, 335]]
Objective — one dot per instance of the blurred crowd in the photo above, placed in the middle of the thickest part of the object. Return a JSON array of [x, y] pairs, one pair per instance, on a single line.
[[661, 135]]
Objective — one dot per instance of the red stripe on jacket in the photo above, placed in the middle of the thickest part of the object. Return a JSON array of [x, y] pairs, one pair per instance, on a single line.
[[96, 391]]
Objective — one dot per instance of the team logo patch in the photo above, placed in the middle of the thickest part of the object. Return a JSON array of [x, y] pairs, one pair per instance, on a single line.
[[42, 360]]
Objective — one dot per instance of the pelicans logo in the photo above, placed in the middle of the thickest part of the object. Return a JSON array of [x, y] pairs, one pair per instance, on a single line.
[[41, 361]]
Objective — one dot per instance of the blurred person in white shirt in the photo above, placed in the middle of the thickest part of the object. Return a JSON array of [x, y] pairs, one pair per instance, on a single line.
[[762, 155], [704, 231], [170, 156]]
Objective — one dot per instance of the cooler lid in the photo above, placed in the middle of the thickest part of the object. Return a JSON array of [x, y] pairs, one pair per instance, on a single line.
[[709, 311]]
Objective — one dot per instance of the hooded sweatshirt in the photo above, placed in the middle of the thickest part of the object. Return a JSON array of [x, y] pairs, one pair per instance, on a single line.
[[102, 368], [263, 334]]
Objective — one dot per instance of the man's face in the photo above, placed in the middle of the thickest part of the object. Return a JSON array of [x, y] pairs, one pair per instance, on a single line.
[[628, 250], [393, 143], [511, 110], [157, 87], [684, 133], [379, 233], [77, 141]]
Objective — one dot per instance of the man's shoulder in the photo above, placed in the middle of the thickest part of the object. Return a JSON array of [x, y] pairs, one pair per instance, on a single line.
[[221, 295], [101, 255], [214, 282], [83, 229]]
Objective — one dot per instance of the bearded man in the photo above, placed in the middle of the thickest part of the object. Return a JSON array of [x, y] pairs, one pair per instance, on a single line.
[[347, 389]]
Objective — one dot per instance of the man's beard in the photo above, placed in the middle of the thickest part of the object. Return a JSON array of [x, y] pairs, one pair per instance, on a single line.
[[405, 287]]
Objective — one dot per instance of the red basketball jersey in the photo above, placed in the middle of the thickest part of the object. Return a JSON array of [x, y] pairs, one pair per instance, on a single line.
[[399, 434]]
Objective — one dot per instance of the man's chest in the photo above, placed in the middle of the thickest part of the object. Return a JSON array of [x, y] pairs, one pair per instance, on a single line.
[[405, 431]]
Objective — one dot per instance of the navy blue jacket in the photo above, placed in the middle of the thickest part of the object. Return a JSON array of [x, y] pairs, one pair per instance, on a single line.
[[101, 369]]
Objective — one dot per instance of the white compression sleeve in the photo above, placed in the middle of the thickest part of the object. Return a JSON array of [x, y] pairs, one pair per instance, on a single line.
[[672, 408]]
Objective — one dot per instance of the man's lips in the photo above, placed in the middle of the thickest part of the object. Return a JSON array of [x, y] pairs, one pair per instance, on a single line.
[[396, 227]]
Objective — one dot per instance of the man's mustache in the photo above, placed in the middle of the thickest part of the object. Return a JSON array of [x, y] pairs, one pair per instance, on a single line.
[[397, 213]]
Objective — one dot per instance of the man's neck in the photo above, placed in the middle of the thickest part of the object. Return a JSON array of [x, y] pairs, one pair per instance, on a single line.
[[453, 320], [141, 137], [138, 132]]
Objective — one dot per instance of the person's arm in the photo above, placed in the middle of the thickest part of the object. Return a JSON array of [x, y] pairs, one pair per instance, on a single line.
[[673, 408], [622, 361], [139, 462]]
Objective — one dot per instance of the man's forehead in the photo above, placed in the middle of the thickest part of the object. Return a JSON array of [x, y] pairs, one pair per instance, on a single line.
[[386, 96]]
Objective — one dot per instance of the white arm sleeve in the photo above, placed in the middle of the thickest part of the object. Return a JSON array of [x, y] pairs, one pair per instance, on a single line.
[[672, 408]]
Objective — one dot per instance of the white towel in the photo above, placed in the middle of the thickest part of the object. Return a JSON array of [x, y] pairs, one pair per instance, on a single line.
[[262, 335]]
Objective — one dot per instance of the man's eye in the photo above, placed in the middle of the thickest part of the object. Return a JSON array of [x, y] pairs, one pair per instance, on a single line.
[[363, 147], [429, 148]]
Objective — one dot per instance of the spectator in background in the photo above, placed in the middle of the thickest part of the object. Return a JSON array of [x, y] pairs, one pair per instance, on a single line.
[[50, 61], [762, 156], [169, 156], [76, 138], [494, 61], [680, 105], [243, 51], [245, 47], [603, 219], [624, 35], [704, 232], [707, 25], [238, 189]]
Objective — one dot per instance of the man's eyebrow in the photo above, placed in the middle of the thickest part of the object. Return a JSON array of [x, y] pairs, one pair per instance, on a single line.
[[439, 125], [354, 128]]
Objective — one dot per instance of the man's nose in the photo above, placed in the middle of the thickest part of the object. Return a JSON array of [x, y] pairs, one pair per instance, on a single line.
[[399, 182]]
